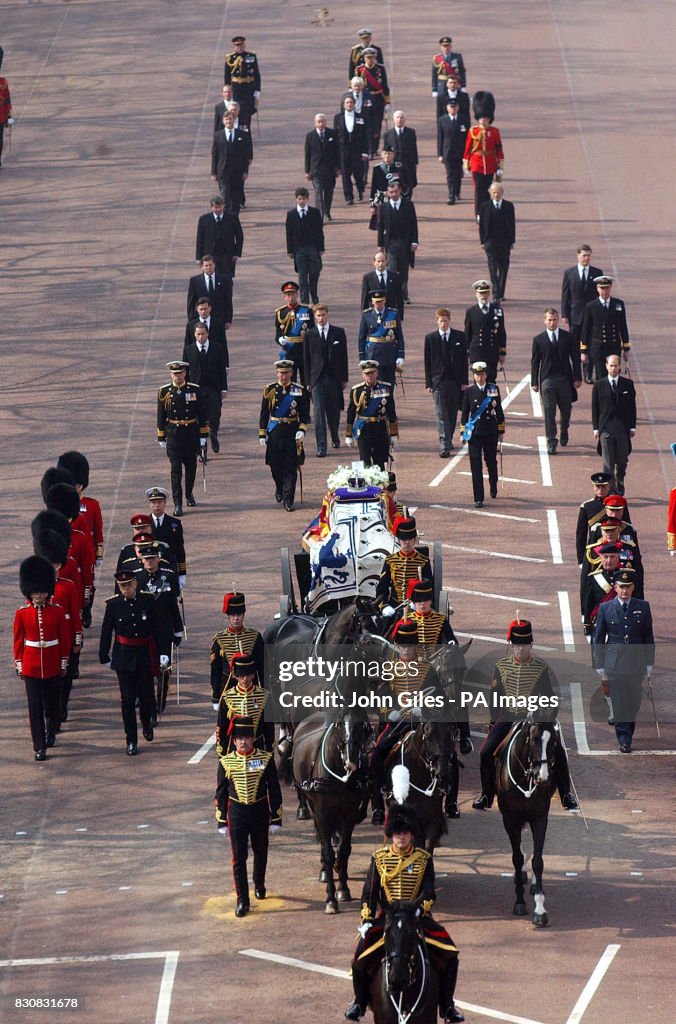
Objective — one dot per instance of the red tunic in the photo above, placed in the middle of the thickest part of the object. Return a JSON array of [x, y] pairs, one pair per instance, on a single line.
[[483, 150], [90, 511], [67, 595], [671, 521], [41, 641], [82, 550], [5, 101], [71, 571]]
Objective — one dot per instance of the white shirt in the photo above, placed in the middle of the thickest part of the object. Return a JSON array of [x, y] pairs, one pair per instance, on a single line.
[[302, 210], [553, 335], [497, 204], [158, 520], [204, 347], [584, 272], [613, 380], [396, 204], [349, 120], [207, 279]]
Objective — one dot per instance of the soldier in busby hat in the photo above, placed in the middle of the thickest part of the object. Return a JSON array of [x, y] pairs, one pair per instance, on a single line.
[[236, 638], [41, 650], [484, 156], [520, 675], [254, 807], [90, 508], [401, 871], [63, 497]]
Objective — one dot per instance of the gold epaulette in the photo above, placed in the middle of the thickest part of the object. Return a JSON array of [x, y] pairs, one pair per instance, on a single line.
[[268, 391]]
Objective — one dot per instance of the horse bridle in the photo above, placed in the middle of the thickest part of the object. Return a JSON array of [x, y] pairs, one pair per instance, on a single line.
[[531, 770], [429, 761], [404, 1016]]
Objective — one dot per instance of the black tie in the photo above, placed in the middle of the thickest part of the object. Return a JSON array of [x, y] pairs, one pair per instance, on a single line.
[[444, 336], [381, 278], [211, 286], [584, 277], [321, 136], [323, 333], [157, 522]]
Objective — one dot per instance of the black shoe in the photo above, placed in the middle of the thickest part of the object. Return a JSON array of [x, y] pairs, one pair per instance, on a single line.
[[327, 216], [349, 202], [466, 745], [453, 1015], [215, 444], [51, 739], [450, 201], [242, 909], [551, 448], [564, 438], [86, 617], [378, 818], [569, 803], [178, 511], [64, 715], [494, 492], [354, 1012], [289, 506], [132, 749], [336, 443], [444, 455], [625, 748], [278, 497], [40, 755], [361, 197], [148, 734], [407, 301], [190, 501], [452, 809], [482, 803], [451, 447], [321, 455], [478, 504], [260, 892]]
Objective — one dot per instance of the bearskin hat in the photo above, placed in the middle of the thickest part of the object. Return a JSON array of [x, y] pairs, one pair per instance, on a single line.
[[77, 464], [52, 476], [65, 499], [50, 519], [401, 818], [36, 576], [51, 545], [483, 105]]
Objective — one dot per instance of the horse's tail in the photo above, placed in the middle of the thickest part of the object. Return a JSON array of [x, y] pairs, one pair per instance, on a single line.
[[401, 782]]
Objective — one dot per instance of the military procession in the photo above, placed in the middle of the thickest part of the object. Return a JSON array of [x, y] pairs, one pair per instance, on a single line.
[[368, 670]]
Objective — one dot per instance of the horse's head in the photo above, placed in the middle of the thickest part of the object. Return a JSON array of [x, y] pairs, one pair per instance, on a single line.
[[353, 731], [449, 663], [368, 615], [401, 945], [540, 741], [438, 749]]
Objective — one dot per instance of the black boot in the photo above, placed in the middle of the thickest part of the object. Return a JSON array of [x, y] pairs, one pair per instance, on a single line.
[[360, 984], [447, 980]]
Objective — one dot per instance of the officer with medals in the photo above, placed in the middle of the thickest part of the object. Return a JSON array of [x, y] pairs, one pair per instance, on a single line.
[[401, 871], [182, 428], [374, 75], [292, 322], [167, 530], [162, 583], [241, 71], [401, 567], [236, 638], [598, 585], [381, 337], [447, 64], [482, 423], [485, 332], [131, 616], [243, 700], [592, 511], [357, 51], [610, 531], [520, 675], [254, 807], [371, 417], [285, 411]]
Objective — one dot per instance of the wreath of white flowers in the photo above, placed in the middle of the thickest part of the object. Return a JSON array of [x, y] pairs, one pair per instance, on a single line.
[[373, 475]]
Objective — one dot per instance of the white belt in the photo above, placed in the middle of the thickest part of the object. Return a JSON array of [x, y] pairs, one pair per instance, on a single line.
[[41, 643]]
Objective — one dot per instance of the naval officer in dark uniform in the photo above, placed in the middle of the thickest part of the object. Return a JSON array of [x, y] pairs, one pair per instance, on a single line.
[[182, 428], [483, 423], [285, 410]]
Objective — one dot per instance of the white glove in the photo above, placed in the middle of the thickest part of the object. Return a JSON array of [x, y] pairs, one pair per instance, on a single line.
[[281, 340], [400, 363], [10, 121], [256, 95], [164, 661], [98, 563], [672, 553], [275, 828], [261, 441], [389, 611], [649, 670], [364, 928], [600, 672], [393, 443], [181, 581], [394, 715], [300, 435], [162, 444], [387, 108], [203, 442], [223, 829], [349, 441], [434, 95]]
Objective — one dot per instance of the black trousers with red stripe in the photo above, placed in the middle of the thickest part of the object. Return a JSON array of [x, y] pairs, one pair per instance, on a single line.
[[248, 822]]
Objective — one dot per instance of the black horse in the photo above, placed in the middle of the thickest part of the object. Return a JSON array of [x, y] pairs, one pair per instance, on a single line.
[[426, 752], [525, 780], [406, 988], [329, 767]]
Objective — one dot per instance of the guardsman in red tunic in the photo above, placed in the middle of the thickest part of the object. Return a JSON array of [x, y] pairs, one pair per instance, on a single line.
[[63, 498], [5, 110], [90, 511], [671, 523], [484, 156], [41, 649]]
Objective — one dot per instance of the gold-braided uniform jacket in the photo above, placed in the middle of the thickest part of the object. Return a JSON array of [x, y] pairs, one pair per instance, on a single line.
[[224, 645], [395, 876], [398, 571], [433, 629], [237, 702], [253, 782], [514, 680]]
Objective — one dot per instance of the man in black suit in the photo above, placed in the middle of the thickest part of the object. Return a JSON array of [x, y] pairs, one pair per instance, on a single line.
[[207, 368], [230, 162], [555, 372], [604, 327], [445, 376], [305, 244], [614, 420], [382, 176], [220, 235], [453, 91], [322, 164], [325, 356], [497, 234], [384, 280], [405, 145], [451, 141], [168, 530], [218, 288], [398, 234], [485, 332], [483, 423], [220, 108], [215, 328], [353, 143], [578, 289]]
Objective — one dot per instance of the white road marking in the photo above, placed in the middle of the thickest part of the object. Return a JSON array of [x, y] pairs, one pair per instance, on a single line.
[[483, 512], [498, 597], [498, 640], [579, 724], [537, 404], [515, 392], [634, 753], [507, 479], [166, 988], [491, 554], [638, 874], [513, 412], [521, 447], [333, 972], [590, 988], [545, 468], [554, 536], [203, 750], [566, 621]]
